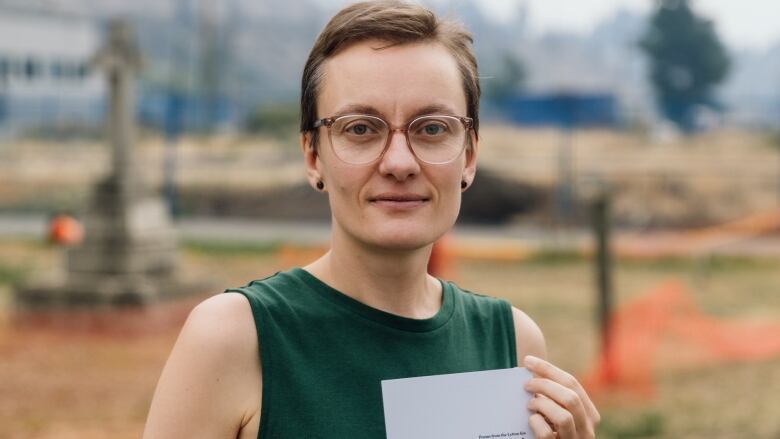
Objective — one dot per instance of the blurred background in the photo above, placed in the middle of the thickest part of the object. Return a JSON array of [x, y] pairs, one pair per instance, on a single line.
[[629, 167]]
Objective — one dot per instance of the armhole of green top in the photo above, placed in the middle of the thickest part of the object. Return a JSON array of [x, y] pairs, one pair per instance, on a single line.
[[259, 315], [512, 333]]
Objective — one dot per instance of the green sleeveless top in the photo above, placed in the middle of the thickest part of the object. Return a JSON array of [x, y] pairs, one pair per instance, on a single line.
[[325, 354]]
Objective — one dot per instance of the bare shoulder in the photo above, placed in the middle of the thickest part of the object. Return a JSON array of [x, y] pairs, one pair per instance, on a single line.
[[224, 320], [221, 326], [528, 336], [210, 386]]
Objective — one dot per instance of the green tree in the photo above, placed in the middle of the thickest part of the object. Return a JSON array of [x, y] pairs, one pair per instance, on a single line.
[[687, 61]]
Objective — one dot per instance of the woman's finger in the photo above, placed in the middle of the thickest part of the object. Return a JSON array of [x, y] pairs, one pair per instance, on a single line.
[[561, 419], [564, 397], [540, 427], [545, 369]]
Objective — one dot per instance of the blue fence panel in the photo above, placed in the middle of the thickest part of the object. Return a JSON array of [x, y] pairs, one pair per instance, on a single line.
[[563, 110], [174, 112]]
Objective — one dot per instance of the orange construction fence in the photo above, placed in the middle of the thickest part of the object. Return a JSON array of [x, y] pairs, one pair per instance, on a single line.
[[667, 316]]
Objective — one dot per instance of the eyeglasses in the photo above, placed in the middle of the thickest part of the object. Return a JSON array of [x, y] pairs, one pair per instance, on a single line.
[[360, 139]]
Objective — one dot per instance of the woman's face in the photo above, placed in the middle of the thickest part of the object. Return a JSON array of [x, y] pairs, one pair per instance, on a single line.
[[396, 202]]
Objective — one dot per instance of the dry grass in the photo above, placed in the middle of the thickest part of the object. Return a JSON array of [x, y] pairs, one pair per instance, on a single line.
[[712, 177], [63, 384]]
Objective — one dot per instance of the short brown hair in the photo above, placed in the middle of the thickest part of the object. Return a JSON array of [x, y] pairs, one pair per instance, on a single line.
[[396, 22]]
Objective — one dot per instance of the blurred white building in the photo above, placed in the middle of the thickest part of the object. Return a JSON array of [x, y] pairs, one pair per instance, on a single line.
[[45, 75]]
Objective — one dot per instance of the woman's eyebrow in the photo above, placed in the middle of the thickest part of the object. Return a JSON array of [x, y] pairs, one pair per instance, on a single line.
[[433, 109], [358, 109]]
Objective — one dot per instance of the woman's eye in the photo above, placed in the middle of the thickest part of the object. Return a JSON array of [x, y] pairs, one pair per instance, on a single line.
[[433, 129], [359, 129]]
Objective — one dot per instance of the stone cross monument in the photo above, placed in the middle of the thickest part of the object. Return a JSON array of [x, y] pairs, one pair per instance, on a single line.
[[121, 61], [129, 252]]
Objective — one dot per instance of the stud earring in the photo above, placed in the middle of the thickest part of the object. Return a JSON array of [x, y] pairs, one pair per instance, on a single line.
[[320, 185], [463, 184]]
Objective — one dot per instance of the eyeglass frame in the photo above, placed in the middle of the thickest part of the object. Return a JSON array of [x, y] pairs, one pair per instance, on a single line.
[[468, 125]]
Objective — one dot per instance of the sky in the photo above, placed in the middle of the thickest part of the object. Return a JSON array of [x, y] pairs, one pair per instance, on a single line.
[[742, 23]]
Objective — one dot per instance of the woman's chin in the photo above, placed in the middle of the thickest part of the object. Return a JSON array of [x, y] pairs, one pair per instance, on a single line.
[[403, 240], [396, 234]]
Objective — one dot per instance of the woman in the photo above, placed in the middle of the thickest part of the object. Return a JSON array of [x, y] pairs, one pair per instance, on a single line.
[[389, 127]]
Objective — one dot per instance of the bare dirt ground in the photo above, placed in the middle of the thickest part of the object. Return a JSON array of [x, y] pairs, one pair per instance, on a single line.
[[73, 380]]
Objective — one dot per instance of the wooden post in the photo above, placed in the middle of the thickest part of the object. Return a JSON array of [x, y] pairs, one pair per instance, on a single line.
[[601, 228]]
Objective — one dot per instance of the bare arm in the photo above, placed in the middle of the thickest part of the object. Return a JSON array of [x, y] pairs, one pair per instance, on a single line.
[[210, 385], [561, 408], [528, 337]]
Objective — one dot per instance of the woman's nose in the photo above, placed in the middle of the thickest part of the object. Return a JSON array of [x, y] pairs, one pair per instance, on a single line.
[[398, 159]]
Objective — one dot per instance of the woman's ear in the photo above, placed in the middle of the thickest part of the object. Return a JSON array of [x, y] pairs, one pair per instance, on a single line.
[[470, 168], [311, 160]]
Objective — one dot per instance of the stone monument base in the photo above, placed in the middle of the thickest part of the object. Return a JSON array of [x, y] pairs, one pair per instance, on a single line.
[[129, 257]]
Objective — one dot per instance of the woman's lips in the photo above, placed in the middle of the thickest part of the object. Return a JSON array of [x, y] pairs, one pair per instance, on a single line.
[[398, 201]]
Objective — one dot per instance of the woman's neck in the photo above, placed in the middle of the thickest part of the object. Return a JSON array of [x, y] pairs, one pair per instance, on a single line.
[[394, 281]]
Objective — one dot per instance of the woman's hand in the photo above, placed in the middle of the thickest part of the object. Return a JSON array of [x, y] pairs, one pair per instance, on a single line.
[[560, 407]]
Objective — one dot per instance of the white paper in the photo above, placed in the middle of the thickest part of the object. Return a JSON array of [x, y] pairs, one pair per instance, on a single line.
[[475, 405]]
